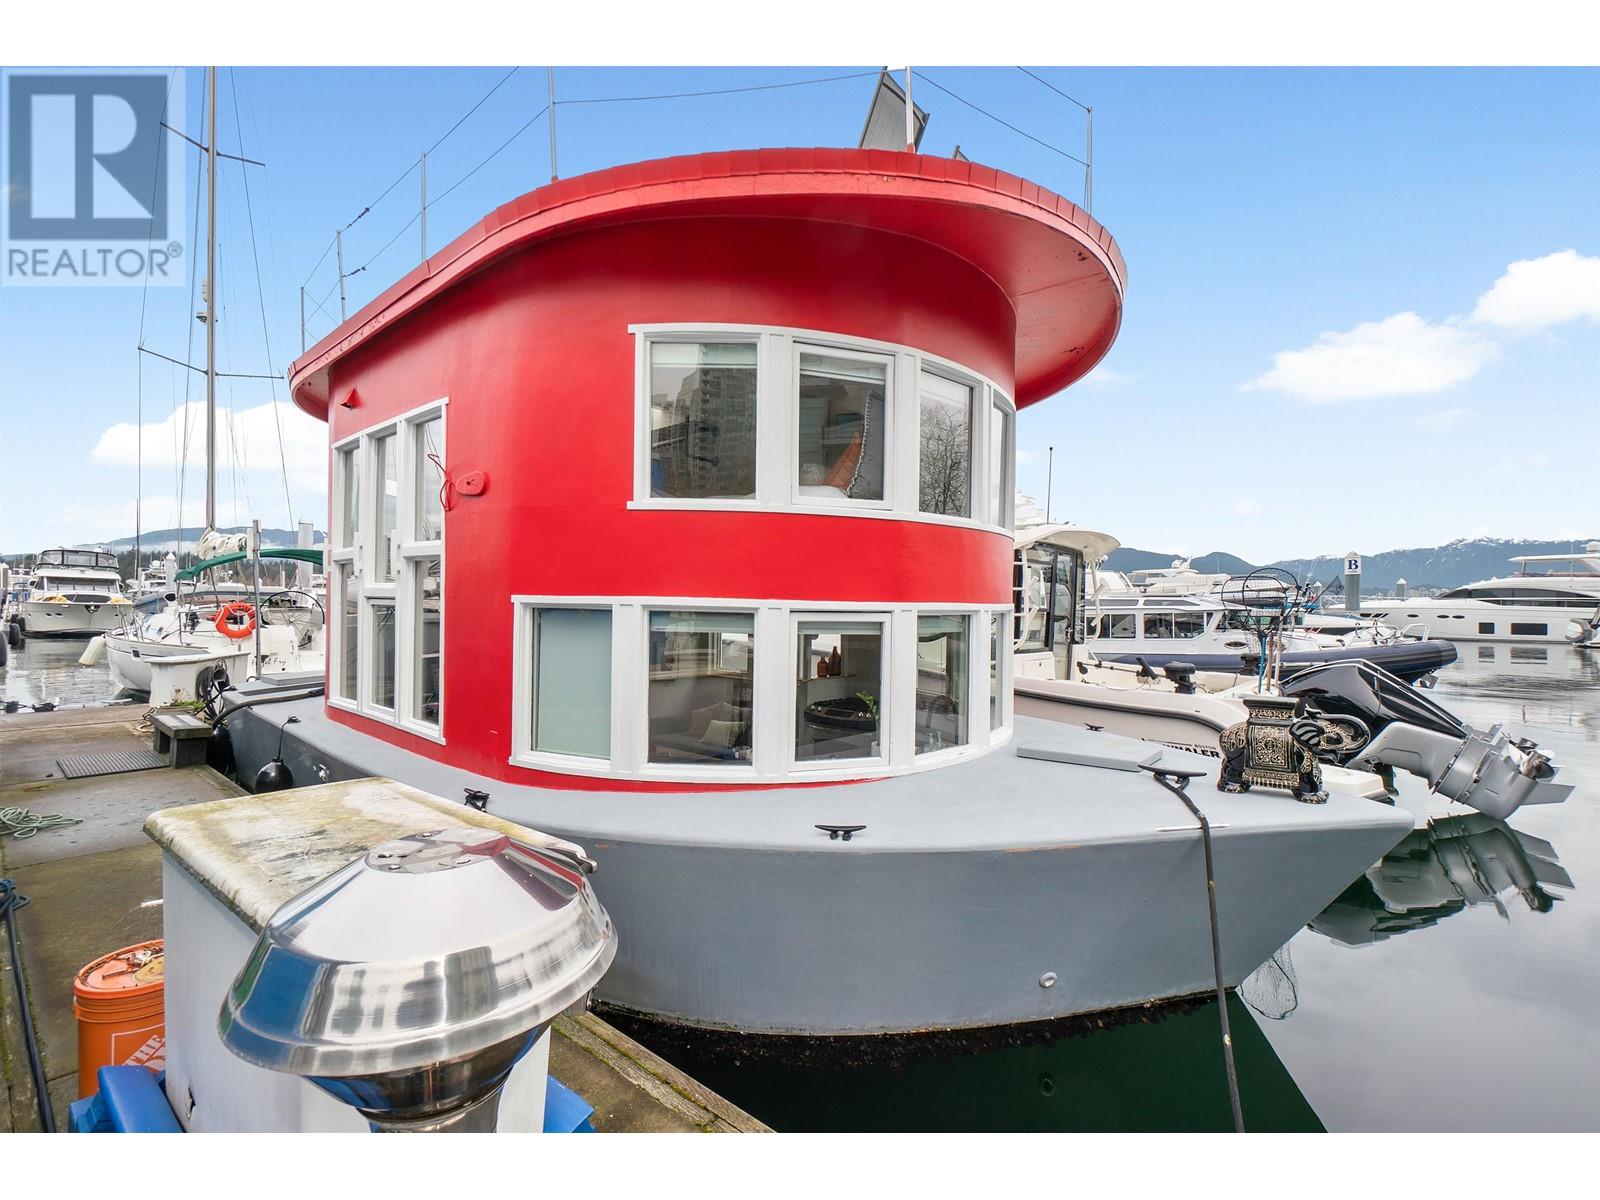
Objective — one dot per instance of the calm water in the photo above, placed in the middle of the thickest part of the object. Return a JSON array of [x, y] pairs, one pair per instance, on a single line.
[[1412, 1003]]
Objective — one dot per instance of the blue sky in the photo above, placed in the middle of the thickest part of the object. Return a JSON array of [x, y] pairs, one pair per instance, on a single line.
[[1326, 344]]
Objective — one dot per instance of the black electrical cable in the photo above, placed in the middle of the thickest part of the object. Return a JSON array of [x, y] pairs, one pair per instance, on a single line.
[[1175, 781], [10, 901]]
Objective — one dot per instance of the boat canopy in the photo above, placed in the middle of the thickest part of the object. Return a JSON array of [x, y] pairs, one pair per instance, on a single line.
[[1093, 545], [298, 553]]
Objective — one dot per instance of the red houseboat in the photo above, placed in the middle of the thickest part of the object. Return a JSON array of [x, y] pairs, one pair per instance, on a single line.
[[671, 508]]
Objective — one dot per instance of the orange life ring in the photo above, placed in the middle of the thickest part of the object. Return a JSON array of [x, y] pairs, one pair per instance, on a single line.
[[236, 631]]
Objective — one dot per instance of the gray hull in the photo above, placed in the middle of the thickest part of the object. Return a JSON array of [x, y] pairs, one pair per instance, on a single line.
[[969, 888]]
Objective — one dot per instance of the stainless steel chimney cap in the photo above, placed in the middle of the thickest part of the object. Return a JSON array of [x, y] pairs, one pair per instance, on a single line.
[[427, 949]]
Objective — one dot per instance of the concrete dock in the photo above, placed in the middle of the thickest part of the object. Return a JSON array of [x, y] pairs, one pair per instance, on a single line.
[[95, 886]]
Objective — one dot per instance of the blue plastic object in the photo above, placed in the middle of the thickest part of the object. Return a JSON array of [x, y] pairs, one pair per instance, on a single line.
[[130, 1100], [564, 1110]]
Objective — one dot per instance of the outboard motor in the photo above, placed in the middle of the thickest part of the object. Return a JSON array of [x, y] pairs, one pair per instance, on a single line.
[[1182, 676], [1483, 769]]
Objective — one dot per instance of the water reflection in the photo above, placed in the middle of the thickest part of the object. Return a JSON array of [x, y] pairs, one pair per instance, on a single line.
[[46, 671], [1156, 1071], [1447, 866]]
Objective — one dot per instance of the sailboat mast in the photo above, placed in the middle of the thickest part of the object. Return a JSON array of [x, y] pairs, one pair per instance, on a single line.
[[211, 298]]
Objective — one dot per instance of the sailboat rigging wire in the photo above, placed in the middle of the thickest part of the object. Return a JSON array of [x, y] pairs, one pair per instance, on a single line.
[[760, 87], [201, 370], [1000, 120], [1053, 88], [266, 340], [401, 178], [528, 124]]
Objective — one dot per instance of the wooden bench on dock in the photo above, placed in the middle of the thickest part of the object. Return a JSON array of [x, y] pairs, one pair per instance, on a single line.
[[179, 736]]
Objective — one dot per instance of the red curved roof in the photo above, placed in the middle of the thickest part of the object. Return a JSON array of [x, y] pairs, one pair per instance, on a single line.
[[1060, 268]]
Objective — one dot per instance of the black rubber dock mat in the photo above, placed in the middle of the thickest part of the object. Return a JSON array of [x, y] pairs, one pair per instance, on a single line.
[[110, 764]]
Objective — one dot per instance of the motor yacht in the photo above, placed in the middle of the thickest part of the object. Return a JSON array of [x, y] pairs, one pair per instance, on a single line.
[[1549, 598], [74, 594]]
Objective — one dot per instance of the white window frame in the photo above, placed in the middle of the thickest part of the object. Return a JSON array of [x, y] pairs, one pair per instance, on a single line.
[[362, 554], [764, 434], [523, 699], [777, 423], [823, 615], [773, 692], [978, 402], [1006, 517], [836, 503]]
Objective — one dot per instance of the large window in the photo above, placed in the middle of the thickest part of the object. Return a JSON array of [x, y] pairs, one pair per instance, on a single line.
[[838, 701], [944, 440], [684, 690], [846, 422], [944, 653], [842, 424], [572, 682], [702, 687], [702, 419], [386, 568]]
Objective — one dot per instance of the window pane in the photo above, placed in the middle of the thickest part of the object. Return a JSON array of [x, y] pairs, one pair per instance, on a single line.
[[838, 690], [945, 476], [943, 655], [386, 468], [350, 501], [999, 463], [841, 426], [703, 419], [701, 686], [430, 479], [428, 622], [996, 643], [382, 655], [349, 609], [572, 681]]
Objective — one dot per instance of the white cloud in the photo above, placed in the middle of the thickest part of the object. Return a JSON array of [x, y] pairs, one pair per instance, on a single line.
[[1107, 377], [1248, 507], [253, 430], [1027, 456], [1438, 422], [1402, 355], [1535, 293]]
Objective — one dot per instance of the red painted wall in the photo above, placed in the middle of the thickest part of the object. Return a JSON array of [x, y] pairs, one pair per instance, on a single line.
[[535, 356]]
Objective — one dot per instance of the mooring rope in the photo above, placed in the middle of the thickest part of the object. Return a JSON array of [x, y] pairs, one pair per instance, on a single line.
[[23, 823]]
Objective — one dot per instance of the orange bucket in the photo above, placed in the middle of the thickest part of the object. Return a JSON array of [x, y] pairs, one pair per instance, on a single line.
[[120, 1003]]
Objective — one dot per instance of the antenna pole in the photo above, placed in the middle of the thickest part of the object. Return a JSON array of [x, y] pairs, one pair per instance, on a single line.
[[1049, 480], [302, 319], [424, 206], [1088, 168], [338, 248], [211, 297], [550, 88], [911, 118]]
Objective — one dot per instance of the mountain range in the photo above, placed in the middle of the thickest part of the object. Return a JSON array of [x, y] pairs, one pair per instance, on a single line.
[[1429, 567], [1464, 560], [161, 540]]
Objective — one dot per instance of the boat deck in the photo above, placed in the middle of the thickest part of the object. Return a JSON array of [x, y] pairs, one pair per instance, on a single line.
[[96, 886]]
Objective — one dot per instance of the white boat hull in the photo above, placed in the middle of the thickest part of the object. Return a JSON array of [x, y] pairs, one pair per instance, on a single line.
[[1479, 620], [72, 618]]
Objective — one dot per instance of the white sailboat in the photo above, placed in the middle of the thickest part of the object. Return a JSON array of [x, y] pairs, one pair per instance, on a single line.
[[231, 629]]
